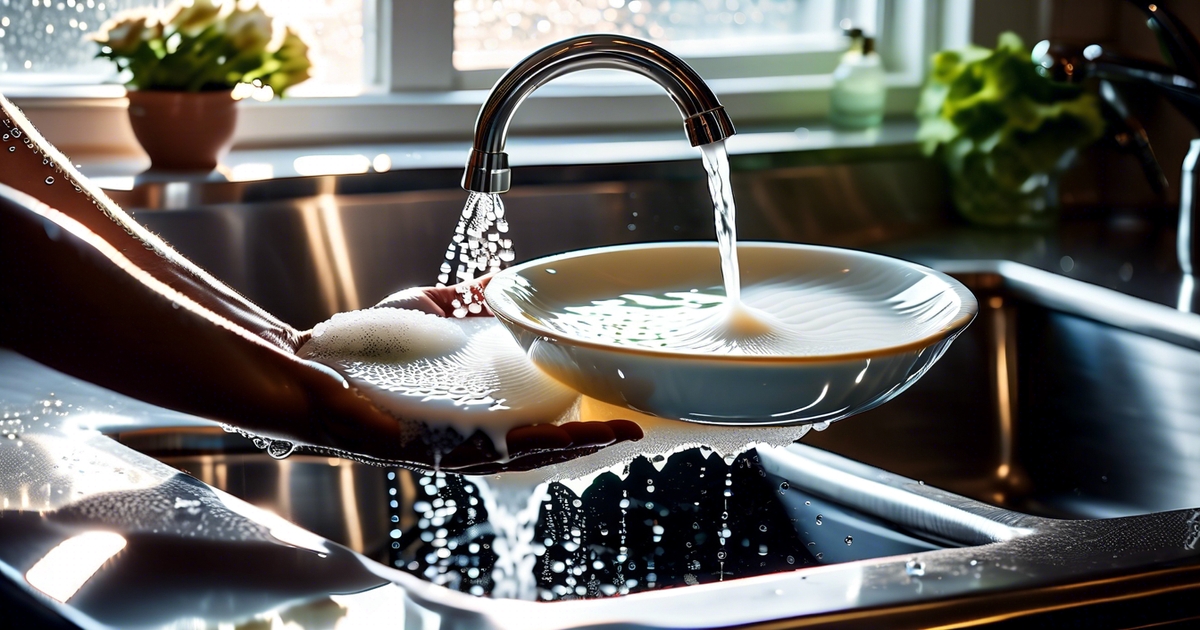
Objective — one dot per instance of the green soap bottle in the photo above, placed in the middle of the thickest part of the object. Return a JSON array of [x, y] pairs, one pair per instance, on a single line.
[[859, 90]]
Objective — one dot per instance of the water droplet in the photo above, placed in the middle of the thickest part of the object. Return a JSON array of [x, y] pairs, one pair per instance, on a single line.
[[849, 540], [818, 519], [49, 180], [808, 503], [762, 528], [914, 567], [11, 149], [279, 449]]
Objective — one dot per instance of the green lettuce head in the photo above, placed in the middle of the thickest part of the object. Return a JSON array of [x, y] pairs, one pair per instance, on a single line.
[[1003, 130]]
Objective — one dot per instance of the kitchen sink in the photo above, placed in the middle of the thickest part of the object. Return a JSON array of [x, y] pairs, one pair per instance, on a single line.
[[1062, 399], [1041, 474]]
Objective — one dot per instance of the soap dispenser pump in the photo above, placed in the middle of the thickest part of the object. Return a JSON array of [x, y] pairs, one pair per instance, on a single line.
[[859, 91]]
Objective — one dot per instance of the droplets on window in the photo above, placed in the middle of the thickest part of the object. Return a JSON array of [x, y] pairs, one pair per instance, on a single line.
[[496, 34], [44, 42]]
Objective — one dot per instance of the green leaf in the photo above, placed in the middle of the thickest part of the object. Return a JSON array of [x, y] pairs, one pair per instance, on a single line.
[[996, 122]]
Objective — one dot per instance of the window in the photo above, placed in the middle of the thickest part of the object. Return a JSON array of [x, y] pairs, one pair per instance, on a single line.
[[395, 69], [41, 43], [489, 34], [44, 42]]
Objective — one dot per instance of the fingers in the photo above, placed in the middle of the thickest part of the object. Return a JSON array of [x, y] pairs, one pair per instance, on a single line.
[[440, 301], [417, 299], [535, 446]]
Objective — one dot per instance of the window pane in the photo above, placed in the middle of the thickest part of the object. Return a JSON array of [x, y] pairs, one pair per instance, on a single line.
[[497, 34], [42, 42], [333, 30]]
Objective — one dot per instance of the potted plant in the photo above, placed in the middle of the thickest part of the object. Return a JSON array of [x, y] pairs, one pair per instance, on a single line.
[[1004, 132], [186, 65]]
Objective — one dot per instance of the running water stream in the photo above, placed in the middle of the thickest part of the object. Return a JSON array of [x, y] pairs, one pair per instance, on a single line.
[[479, 246], [716, 163]]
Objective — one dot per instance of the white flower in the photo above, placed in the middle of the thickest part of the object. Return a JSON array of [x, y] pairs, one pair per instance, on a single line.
[[123, 34], [192, 16], [249, 29]]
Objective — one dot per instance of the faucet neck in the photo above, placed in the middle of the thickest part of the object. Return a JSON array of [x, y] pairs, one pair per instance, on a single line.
[[705, 120]]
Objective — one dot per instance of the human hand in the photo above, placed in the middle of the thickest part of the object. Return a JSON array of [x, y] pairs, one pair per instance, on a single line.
[[529, 446]]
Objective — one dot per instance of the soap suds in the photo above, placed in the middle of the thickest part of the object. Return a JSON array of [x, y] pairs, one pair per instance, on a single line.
[[383, 335], [468, 374]]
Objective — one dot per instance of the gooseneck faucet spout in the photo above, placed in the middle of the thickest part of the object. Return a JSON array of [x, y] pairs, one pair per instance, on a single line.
[[704, 119]]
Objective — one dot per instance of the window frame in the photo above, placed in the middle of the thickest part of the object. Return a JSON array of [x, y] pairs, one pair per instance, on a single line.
[[418, 95]]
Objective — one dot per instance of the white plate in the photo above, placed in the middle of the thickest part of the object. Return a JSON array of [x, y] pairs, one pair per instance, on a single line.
[[870, 327]]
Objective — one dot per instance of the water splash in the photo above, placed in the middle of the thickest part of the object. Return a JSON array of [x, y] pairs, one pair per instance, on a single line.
[[479, 246], [914, 568], [513, 505], [277, 449], [716, 163]]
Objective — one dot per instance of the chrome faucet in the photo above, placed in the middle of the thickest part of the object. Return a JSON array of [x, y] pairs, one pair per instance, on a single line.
[[704, 119]]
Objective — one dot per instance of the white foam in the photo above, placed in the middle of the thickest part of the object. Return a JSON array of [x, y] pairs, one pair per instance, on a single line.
[[468, 374], [383, 334]]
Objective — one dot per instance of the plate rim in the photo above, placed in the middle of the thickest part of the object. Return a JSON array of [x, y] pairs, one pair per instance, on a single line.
[[968, 307]]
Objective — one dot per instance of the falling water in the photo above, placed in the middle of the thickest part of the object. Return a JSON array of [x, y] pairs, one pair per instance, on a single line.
[[479, 246], [513, 504], [716, 162]]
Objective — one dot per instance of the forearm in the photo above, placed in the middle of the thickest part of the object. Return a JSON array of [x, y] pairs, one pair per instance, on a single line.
[[77, 304], [36, 168]]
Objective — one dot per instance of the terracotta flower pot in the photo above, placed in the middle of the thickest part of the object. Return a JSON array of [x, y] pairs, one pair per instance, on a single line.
[[183, 131]]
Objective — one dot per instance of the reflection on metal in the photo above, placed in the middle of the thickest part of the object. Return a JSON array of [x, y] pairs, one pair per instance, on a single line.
[[350, 511], [339, 252], [251, 172], [819, 472], [330, 254], [1086, 300], [1189, 217], [320, 165], [284, 488], [1004, 381], [1187, 294], [69, 565]]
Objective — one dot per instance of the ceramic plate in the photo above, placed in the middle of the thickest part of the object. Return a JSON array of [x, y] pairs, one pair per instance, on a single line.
[[862, 328]]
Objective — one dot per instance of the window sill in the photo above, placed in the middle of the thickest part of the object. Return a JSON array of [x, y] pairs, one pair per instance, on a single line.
[[288, 173], [91, 122]]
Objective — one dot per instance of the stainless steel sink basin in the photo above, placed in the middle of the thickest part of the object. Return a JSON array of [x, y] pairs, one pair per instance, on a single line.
[[1064, 400]]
